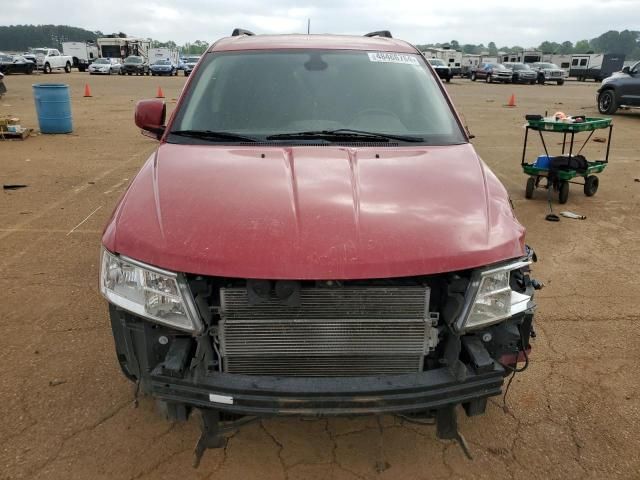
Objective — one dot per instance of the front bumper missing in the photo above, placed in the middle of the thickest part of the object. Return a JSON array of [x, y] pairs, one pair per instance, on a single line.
[[265, 396]]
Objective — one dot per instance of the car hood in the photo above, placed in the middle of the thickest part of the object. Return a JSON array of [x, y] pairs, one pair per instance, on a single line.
[[315, 212]]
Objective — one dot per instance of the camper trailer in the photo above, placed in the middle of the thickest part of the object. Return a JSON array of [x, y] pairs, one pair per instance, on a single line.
[[469, 63], [118, 47], [561, 60], [596, 66], [452, 58], [83, 53], [522, 56], [163, 53]]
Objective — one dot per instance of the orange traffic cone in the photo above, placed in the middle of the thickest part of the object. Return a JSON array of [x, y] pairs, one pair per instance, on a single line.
[[87, 90], [160, 93], [512, 101]]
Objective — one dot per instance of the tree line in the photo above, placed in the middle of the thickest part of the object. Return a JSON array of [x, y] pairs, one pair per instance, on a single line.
[[22, 37], [626, 42]]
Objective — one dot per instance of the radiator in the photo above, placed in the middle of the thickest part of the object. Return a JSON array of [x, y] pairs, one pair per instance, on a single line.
[[343, 331]]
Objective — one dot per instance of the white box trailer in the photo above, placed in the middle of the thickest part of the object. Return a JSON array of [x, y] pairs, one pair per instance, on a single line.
[[118, 47], [83, 53], [163, 53]]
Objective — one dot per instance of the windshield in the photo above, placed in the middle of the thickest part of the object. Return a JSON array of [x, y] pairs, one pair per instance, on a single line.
[[499, 66], [259, 94], [162, 62], [38, 51], [133, 60], [520, 66], [102, 61], [436, 61]]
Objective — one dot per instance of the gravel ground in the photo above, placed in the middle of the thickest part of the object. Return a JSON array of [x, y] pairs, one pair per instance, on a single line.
[[69, 413]]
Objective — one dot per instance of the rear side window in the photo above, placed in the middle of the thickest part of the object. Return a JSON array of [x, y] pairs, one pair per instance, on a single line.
[[261, 93]]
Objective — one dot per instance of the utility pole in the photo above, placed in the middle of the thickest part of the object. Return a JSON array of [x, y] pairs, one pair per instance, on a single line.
[[308, 26]]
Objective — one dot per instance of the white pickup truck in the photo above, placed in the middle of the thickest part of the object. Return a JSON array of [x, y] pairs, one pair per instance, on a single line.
[[48, 59]]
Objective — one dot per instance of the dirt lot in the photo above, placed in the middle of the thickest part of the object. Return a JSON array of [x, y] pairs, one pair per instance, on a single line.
[[67, 411]]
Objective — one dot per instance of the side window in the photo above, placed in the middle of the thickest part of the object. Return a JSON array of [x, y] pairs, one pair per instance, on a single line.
[[574, 62], [583, 62]]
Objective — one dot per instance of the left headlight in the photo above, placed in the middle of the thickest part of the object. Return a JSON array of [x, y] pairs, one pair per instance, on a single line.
[[491, 299], [155, 294]]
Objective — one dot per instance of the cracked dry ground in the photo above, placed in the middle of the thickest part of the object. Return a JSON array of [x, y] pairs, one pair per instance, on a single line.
[[67, 411]]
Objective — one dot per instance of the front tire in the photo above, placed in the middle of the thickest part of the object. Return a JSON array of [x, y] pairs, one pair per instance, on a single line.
[[607, 103], [489, 78], [540, 79], [67, 68], [591, 184], [560, 82], [473, 76], [47, 68]]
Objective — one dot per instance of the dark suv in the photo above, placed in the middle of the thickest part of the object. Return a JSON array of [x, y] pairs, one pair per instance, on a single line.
[[315, 235], [134, 65], [620, 90], [492, 72]]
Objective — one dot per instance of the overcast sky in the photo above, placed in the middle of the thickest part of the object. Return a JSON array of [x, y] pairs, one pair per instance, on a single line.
[[468, 21]]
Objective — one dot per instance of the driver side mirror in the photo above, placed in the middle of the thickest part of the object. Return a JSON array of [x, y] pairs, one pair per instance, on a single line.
[[626, 69], [150, 116]]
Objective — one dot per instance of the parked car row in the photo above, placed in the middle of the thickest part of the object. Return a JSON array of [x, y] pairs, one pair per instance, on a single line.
[[531, 73]]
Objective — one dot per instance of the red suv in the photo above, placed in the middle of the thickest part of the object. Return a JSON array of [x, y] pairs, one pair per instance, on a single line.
[[315, 235]]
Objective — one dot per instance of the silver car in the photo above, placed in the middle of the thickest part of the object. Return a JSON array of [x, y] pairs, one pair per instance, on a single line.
[[102, 66]]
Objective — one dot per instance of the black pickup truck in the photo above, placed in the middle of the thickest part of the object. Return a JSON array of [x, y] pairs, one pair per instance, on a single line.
[[620, 90]]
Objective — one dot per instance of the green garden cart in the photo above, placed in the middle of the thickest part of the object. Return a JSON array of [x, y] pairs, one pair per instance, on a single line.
[[540, 169]]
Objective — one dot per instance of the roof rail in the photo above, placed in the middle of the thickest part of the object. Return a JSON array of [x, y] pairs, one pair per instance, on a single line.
[[380, 33], [241, 31]]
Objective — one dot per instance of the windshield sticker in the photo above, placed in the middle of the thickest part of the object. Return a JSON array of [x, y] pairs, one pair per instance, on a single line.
[[390, 57]]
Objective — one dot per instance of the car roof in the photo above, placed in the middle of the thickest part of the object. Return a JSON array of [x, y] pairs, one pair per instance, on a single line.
[[320, 42]]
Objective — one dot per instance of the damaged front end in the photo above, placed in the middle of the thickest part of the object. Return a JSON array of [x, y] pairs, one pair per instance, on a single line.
[[236, 348]]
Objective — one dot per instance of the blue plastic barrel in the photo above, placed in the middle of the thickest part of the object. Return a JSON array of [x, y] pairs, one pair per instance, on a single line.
[[53, 106]]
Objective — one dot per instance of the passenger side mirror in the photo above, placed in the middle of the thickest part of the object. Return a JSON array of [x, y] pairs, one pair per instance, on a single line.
[[626, 69], [150, 116]]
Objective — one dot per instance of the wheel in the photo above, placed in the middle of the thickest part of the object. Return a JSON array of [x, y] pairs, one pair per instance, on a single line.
[[47, 68], [515, 78], [29, 70], [153, 74], [489, 78], [67, 67], [531, 186], [607, 103], [541, 79], [473, 76], [532, 82], [560, 82], [185, 73], [591, 185], [564, 192], [448, 79], [81, 69]]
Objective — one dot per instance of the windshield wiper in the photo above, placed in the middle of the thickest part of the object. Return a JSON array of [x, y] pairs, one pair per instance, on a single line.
[[342, 133], [212, 135]]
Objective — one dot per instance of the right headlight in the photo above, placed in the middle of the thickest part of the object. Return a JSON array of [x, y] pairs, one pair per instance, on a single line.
[[491, 299], [152, 293]]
